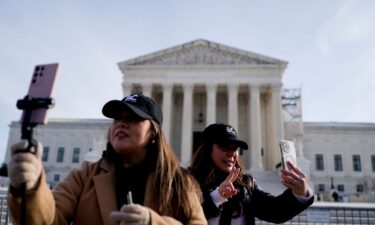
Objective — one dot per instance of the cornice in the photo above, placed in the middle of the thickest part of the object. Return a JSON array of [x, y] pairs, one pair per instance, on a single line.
[[157, 68]]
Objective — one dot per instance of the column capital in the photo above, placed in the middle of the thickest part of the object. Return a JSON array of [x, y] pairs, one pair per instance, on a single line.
[[127, 85], [167, 85], [127, 88], [211, 86], [187, 86], [146, 84], [233, 88], [147, 89], [254, 86], [233, 85], [276, 87]]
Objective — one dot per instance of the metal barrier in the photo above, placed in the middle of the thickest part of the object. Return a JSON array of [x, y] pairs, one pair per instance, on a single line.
[[320, 213], [329, 213], [4, 219]]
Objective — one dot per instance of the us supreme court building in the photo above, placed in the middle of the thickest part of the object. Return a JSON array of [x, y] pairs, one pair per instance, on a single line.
[[202, 82]]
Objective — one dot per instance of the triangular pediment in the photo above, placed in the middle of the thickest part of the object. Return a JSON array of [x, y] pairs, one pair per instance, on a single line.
[[202, 52]]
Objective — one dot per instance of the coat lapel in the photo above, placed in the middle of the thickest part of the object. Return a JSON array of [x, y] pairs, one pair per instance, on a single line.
[[106, 192], [148, 193]]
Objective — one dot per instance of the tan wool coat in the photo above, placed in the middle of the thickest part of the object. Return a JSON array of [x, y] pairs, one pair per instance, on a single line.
[[87, 196]]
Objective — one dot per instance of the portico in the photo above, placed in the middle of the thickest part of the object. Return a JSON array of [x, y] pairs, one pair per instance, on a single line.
[[201, 82]]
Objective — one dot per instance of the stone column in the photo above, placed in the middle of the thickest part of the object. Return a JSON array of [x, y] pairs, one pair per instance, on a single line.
[[255, 132], [127, 89], [233, 105], [147, 90], [211, 104], [167, 109], [187, 124], [277, 126]]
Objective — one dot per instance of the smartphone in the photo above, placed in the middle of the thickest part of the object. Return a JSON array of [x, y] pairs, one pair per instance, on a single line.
[[41, 86], [288, 153]]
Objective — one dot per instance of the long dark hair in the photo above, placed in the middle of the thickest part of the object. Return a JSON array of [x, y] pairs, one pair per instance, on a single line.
[[171, 181], [203, 169], [209, 178], [173, 187]]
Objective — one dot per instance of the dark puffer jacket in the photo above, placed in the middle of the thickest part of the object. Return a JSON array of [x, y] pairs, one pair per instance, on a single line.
[[255, 203]]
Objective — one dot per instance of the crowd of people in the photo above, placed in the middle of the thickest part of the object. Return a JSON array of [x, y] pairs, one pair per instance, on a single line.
[[139, 179]]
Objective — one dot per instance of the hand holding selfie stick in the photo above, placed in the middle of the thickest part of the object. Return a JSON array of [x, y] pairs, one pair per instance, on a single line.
[[28, 105], [34, 106]]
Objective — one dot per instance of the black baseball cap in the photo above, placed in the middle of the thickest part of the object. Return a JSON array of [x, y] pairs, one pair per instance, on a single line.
[[222, 134], [139, 104]]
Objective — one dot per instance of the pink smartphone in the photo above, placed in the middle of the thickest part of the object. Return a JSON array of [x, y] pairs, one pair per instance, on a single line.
[[41, 86], [288, 153]]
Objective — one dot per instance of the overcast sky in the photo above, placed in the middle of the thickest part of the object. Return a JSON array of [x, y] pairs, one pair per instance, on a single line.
[[330, 47]]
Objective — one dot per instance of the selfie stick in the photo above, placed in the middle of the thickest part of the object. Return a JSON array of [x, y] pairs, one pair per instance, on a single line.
[[28, 105]]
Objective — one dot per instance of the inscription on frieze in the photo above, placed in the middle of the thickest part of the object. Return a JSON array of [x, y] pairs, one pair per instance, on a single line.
[[202, 55]]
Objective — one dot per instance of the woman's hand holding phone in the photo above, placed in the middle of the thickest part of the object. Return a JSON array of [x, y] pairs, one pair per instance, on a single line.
[[294, 179]]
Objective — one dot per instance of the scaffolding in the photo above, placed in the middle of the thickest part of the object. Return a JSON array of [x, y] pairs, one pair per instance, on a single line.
[[293, 124], [291, 102]]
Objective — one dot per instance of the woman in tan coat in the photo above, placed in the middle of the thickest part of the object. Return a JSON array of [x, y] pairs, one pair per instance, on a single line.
[[138, 160]]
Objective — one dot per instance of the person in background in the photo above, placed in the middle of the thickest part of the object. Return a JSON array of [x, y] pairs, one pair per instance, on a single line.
[[232, 197], [335, 196], [138, 180]]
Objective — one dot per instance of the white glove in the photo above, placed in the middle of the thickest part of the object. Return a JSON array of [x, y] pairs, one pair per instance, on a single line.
[[132, 214], [25, 167]]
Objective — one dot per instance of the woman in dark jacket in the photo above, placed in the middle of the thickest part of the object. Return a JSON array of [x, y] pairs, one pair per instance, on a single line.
[[232, 197]]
